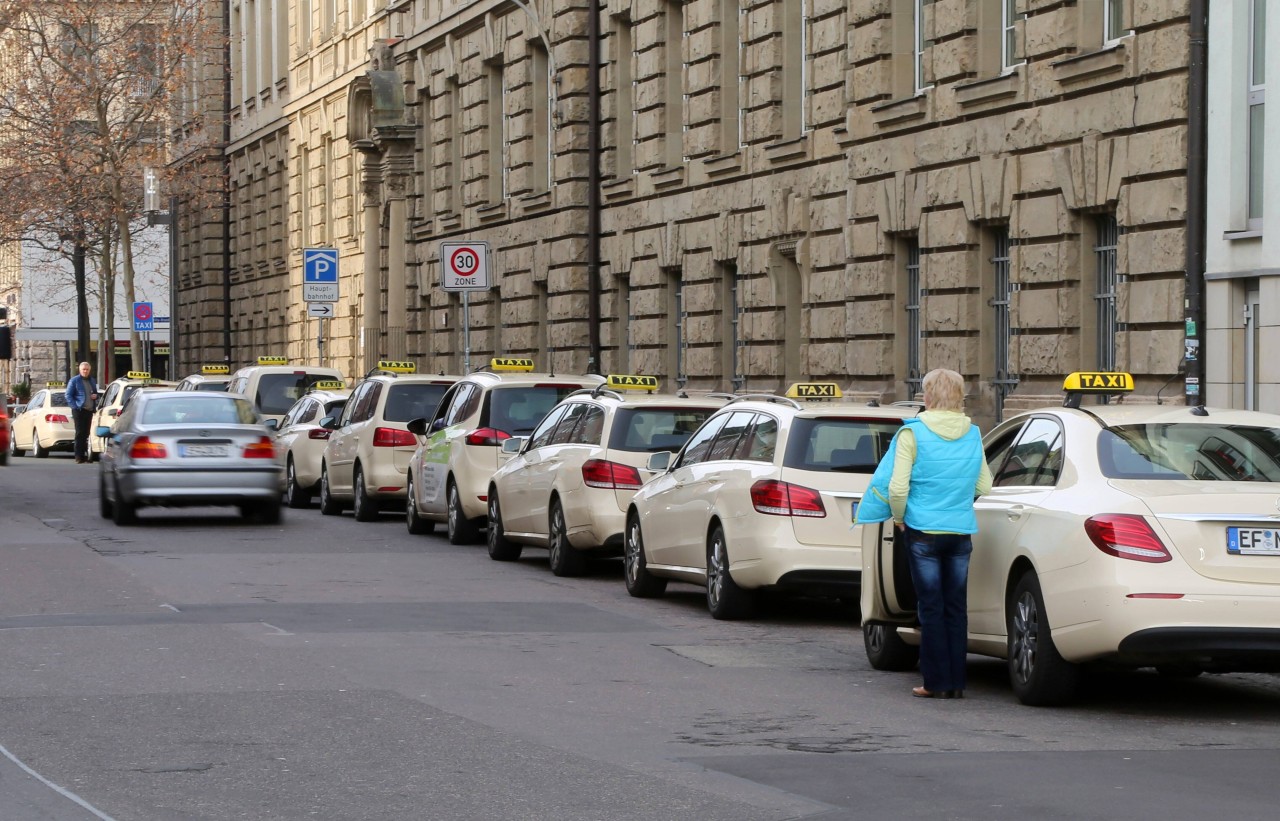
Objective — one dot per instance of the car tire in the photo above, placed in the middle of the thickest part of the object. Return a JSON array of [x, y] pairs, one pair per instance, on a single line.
[[1039, 675], [461, 529], [640, 582], [364, 506], [565, 560], [725, 599], [886, 650], [37, 450], [294, 495], [14, 450], [104, 504], [500, 548], [417, 525], [329, 506], [122, 513]]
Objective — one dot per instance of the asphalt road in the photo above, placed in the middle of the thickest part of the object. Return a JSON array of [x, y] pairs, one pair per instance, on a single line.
[[193, 668]]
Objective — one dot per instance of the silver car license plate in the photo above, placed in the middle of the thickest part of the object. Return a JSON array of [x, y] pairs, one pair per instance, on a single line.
[[204, 450], [1253, 541]]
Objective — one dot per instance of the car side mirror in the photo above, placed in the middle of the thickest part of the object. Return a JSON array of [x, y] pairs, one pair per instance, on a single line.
[[329, 422], [512, 446], [437, 425], [272, 424], [660, 461], [102, 430], [418, 427]]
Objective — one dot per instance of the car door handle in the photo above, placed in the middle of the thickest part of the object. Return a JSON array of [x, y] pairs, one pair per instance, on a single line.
[[1015, 512]]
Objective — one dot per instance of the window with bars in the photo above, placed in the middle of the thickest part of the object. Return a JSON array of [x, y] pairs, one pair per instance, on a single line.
[[1002, 288], [1256, 99], [731, 328], [677, 323], [1107, 279], [915, 336]]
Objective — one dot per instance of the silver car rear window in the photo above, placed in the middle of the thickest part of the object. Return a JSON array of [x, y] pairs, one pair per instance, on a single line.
[[1190, 450]]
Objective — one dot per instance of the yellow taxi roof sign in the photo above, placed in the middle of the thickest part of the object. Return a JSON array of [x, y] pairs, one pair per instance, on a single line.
[[815, 390], [55, 384], [391, 366], [214, 370], [138, 375], [631, 382], [509, 364], [1098, 382], [273, 360], [329, 385]]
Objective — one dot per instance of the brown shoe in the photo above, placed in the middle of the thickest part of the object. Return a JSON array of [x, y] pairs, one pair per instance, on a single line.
[[81, 460]]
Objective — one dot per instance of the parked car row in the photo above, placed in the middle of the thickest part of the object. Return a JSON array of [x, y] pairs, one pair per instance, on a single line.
[[1115, 534]]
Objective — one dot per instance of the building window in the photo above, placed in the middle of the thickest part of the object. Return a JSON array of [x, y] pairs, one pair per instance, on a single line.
[[1104, 252], [305, 193], [1002, 330], [542, 131], [425, 167], [731, 327], [913, 296], [304, 24], [1113, 21], [795, 120], [730, 76], [455, 146], [1010, 56], [1256, 100], [677, 323], [918, 46], [497, 92], [674, 81]]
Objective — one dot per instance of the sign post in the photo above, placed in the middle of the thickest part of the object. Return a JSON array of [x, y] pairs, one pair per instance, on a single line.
[[464, 267], [320, 288]]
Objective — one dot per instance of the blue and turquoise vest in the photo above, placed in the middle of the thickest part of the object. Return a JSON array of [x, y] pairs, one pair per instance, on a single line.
[[943, 480]]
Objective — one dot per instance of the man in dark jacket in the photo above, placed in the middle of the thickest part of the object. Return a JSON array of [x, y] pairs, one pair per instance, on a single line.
[[82, 396]]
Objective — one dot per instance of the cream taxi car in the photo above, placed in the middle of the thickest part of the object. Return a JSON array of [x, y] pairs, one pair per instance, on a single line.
[[273, 385], [761, 496], [367, 456], [111, 405], [459, 445], [45, 425], [210, 378], [1120, 534], [568, 485], [300, 439]]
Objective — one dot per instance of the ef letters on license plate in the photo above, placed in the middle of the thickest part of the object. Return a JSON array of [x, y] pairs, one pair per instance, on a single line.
[[1253, 541], [204, 450]]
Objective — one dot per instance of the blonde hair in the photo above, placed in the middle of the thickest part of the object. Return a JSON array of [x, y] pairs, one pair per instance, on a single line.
[[943, 390]]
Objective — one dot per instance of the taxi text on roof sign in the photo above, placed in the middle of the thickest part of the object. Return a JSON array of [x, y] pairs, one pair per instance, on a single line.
[[138, 375], [397, 367], [213, 370], [1085, 382], [57, 384], [273, 360], [631, 382], [329, 385], [815, 390], [506, 364]]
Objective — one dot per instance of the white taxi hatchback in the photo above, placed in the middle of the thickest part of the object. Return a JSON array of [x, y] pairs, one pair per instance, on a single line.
[[366, 459], [45, 425], [1121, 534], [762, 496], [273, 385], [210, 378], [568, 486], [460, 444], [111, 405], [300, 439]]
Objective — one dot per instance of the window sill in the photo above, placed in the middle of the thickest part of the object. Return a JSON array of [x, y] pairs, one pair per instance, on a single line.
[[668, 177], [1248, 233], [1083, 68], [493, 211], [722, 164], [795, 148], [901, 112], [618, 189], [535, 201], [448, 221], [1000, 88]]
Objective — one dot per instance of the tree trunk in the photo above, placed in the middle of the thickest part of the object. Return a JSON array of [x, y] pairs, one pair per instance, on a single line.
[[78, 254]]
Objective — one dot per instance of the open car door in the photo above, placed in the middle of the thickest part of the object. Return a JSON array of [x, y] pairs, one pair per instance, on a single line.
[[889, 630]]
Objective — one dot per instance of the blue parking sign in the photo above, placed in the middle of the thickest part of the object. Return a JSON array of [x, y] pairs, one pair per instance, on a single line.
[[320, 274]]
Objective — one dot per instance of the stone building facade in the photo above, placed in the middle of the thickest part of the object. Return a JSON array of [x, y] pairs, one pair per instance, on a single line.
[[791, 189]]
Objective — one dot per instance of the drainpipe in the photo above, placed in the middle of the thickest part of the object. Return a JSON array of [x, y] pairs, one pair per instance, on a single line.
[[593, 187], [1197, 202], [226, 181]]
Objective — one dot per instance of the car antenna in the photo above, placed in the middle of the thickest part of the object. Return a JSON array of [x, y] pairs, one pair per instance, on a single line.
[[1199, 410]]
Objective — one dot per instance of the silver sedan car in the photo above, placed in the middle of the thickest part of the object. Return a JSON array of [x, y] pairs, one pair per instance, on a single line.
[[185, 449]]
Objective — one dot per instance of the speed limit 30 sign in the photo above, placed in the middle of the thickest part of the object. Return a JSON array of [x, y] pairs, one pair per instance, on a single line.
[[464, 266]]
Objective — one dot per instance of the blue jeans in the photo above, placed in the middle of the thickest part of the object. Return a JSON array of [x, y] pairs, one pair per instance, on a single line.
[[940, 572]]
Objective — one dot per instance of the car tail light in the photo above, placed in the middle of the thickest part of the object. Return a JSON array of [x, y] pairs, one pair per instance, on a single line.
[[392, 438], [610, 475], [486, 436], [1127, 537], [55, 417], [318, 433], [785, 499], [261, 449], [144, 448]]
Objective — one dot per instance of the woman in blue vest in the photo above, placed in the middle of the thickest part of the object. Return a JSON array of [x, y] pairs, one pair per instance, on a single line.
[[927, 483]]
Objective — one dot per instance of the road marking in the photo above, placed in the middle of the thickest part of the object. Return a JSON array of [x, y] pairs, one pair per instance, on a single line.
[[279, 632], [59, 790]]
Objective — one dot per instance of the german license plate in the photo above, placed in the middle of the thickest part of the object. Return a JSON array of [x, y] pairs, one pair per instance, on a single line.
[[204, 450], [1253, 541]]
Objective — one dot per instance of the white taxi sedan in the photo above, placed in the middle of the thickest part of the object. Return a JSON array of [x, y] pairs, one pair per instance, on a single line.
[[111, 405], [45, 424], [762, 496], [1121, 534], [210, 378], [460, 444], [300, 439], [366, 459], [568, 487]]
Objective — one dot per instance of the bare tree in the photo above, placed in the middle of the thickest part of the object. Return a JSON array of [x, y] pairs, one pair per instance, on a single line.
[[90, 92]]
